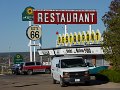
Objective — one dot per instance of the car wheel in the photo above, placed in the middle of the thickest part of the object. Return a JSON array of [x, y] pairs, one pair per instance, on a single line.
[[62, 84], [87, 83], [17, 72], [47, 71], [29, 72]]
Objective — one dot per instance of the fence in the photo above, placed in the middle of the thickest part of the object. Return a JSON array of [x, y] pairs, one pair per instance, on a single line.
[[5, 69]]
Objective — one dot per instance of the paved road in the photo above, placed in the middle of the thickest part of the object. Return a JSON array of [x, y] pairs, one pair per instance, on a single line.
[[44, 82]]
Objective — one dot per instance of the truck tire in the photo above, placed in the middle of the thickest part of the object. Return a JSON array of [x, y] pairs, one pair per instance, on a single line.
[[62, 83], [47, 71], [29, 72], [54, 81], [87, 83]]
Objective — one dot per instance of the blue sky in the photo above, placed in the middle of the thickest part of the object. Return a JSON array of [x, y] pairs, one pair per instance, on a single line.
[[13, 29]]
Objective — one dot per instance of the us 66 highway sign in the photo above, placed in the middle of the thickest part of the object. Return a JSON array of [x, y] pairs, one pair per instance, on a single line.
[[33, 32]]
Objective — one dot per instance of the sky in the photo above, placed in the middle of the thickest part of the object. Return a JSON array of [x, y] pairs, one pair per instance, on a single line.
[[13, 30]]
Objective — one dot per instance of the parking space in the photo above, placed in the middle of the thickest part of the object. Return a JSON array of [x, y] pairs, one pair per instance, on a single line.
[[44, 82]]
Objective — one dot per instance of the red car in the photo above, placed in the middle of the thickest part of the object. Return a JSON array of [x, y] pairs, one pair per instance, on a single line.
[[33, 67]]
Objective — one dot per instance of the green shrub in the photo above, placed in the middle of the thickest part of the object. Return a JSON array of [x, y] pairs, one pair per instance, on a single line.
[[110, 75]]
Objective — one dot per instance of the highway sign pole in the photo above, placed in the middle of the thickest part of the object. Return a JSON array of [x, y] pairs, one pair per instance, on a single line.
[[30, 42], [27, 15], [40, 44], [34, 52], [9, 57], [33, 33], [90, 30], [65, 29], [65, 32]]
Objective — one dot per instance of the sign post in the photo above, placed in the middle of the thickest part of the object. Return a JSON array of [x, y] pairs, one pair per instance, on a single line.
[[30, 42], [33, 33], [27, 15]]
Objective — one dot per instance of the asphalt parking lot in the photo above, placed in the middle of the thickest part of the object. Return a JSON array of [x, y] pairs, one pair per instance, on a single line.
[[44, 82]]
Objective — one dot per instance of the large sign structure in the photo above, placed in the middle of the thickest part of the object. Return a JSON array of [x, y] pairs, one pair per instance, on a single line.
[[33, 32], [65, 17], [80, 38], [59, 17], [75, 50]]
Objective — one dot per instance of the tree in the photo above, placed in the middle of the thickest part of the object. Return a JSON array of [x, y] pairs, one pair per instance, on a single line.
[[111, 41]]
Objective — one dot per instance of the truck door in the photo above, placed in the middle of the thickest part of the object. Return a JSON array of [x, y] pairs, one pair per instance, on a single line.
[[55, 70]]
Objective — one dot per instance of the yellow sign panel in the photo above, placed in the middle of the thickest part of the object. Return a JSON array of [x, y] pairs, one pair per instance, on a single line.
[[67, 39], [83, 37], [59, 39], [79, 37], [93, 36], [75, 39], [71, 39], [88, 37], [63, 39], [97, 36]]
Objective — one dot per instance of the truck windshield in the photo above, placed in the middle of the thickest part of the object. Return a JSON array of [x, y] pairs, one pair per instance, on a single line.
[[68, 63]]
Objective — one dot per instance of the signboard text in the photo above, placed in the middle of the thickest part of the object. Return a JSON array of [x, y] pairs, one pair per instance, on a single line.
[[65, 17]]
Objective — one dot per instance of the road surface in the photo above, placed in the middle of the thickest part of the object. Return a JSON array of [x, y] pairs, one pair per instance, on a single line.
[[44, 82]]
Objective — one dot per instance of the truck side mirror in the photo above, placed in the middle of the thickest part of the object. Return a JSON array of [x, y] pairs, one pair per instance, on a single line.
[[87, 64], [57, 65]]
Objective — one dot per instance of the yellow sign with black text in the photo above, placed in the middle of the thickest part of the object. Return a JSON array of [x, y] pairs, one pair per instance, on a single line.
[[80, 38]]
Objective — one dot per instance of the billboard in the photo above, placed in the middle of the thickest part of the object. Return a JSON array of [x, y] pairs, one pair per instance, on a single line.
[[80, 38], [18, 58], [65, 16], [27, 14]]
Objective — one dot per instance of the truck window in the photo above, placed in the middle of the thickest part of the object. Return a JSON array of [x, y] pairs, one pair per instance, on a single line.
[[38, 63], [29, 63], [68, 63]]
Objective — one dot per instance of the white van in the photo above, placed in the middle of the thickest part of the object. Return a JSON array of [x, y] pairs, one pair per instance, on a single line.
[[68, 69]]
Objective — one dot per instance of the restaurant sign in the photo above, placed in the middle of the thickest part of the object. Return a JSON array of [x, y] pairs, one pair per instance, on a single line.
[[65, 16]]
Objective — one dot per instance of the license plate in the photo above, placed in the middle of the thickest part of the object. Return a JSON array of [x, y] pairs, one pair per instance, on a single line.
[[92, 78], [77, 80]]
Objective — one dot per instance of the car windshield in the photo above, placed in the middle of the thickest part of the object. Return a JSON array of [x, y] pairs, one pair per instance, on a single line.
[[68, 63]]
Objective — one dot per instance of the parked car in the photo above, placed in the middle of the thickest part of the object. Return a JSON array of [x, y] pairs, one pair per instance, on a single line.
[[15, 69], [32, 67]]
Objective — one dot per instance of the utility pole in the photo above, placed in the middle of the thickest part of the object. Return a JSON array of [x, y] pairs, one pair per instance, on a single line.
[[9, 62]]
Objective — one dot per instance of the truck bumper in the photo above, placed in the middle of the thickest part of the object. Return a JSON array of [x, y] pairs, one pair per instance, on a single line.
[[82, 79]]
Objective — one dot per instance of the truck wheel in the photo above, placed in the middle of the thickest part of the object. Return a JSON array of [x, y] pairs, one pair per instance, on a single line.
[[29, 72], [47, 71], [62, 84], [54, 81], [87, 83]]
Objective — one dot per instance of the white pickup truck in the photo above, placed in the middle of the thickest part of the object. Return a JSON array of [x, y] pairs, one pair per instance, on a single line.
[[67, 69]]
